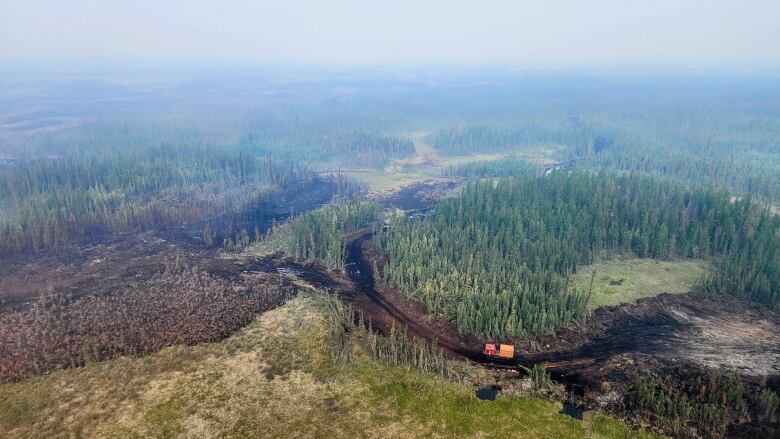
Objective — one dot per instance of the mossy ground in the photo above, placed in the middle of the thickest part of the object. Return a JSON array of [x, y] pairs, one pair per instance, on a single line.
[[625, 281], [274, 378]]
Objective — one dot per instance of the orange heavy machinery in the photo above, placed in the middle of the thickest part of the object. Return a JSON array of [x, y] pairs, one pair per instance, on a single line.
[[503, 351]]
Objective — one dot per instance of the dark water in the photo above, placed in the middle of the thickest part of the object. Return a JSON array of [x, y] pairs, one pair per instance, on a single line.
[[487, 393], [572, 410]]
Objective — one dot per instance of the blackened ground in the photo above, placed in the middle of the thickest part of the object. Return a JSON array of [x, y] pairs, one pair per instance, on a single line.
[[103, 265], [717, 332], [419, 195], [670, 336]]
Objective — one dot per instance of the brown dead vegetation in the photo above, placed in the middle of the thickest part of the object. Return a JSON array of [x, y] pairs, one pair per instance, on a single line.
[[179, 305]]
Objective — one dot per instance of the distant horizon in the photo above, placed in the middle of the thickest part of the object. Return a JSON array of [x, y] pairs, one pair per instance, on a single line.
[[560, 33], [143, 66]]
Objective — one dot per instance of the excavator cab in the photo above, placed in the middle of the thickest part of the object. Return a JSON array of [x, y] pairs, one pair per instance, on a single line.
[[502, 351]]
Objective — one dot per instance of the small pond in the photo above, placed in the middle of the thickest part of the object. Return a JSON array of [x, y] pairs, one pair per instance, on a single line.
[[572, 410], [487, 393]]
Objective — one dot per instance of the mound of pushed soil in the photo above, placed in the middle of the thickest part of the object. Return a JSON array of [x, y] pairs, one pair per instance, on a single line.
[[716, 332]]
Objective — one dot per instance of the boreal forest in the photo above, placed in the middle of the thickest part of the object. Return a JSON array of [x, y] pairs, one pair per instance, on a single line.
[[478, 252]]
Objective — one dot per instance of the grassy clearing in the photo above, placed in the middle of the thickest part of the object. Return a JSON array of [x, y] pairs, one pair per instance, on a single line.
[[272, 379], [451, 410], [426, 164], [402, 172], [625, 281]]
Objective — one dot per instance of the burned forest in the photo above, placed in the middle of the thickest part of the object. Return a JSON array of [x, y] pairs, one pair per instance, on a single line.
[[326, 249]]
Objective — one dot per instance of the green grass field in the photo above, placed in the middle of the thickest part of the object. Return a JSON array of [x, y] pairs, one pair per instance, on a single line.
[[427, 163], [625, 281], [273, 379]]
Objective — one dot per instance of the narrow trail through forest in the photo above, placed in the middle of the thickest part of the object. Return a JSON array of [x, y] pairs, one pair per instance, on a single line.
[[718, 332], [686, 327]]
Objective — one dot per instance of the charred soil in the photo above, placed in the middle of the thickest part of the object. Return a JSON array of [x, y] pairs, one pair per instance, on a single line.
[[139, 293], [719, 332], [708, 357]]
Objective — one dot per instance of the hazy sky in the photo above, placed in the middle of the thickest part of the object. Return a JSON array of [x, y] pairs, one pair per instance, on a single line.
[[540, 32]]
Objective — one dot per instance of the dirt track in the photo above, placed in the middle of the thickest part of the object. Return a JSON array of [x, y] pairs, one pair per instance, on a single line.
[[389, 308], [716, 332], [710, 331], [664, 334]]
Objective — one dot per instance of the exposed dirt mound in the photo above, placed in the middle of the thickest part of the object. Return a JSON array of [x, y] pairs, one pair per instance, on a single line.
[[717, 332]]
